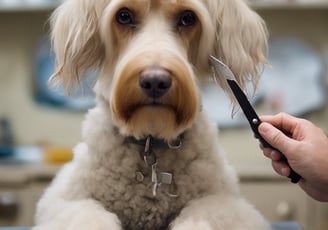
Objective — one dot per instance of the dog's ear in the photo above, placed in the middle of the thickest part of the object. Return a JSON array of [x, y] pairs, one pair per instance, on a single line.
[[241, 40], [75, 40]]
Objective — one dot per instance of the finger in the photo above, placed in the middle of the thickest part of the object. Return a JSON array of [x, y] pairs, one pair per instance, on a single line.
[[275, 137], [281, 168], [282, 121], [271, 153], [267, 152], [275, 155]]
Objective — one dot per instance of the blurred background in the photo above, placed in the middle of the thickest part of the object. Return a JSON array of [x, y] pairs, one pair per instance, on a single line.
[[39, 126]]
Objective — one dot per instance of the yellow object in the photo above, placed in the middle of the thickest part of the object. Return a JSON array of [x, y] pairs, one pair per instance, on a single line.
[[58, 155]]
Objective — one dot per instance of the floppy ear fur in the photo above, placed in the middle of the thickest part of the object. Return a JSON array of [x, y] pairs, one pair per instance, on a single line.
[[241, 40], [76, 40]]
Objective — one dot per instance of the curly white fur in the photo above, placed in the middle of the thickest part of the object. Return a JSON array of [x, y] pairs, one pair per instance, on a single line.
[[98, 189]]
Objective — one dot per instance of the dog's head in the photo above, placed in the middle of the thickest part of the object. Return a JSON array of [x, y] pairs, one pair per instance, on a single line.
[[151, 54]]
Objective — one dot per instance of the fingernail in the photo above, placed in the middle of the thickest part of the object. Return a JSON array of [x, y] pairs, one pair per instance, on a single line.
[[274, 155], [264, 127], [285, 171]]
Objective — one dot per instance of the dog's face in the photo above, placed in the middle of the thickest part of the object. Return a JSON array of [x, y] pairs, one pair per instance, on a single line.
[[152, 53]]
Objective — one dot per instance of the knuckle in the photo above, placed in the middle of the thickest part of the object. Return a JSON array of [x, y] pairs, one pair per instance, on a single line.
[[276, 137]]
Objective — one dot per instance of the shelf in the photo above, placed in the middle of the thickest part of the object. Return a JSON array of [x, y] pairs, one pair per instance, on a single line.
[[296, 4], [24, 5], [28, 7]]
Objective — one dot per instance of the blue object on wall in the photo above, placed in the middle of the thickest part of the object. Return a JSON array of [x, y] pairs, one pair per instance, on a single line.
[[81, 98]]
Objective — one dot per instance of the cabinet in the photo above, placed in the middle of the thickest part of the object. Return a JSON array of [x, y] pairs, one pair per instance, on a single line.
[[282, 201]]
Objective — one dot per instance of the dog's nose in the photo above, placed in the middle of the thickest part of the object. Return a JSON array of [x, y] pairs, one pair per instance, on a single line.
[[155, 81]]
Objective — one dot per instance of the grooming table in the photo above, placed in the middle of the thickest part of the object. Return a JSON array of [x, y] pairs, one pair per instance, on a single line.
[[275, 226]]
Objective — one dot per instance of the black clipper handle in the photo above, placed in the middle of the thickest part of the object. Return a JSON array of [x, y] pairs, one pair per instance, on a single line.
[[255, 122]]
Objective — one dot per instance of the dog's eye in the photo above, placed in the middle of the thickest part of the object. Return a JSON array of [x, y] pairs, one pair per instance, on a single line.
[[187, 19], [125, 17]]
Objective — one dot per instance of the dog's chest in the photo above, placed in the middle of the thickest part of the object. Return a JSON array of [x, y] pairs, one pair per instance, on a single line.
[[131, 193], [146, 212]]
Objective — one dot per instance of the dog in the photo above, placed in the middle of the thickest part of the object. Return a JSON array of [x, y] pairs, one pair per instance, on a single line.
[[150, 158]]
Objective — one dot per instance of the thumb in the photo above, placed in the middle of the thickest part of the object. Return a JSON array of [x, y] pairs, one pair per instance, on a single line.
[[275, 137]]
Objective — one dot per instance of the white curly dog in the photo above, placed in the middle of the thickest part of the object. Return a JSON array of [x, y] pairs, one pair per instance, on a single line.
[[150, 159]]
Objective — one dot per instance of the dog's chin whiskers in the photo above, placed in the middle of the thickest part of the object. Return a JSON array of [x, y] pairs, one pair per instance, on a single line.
[[132, 108]]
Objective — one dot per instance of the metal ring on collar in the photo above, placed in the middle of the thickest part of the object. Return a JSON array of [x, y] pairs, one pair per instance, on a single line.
[[175, 144]]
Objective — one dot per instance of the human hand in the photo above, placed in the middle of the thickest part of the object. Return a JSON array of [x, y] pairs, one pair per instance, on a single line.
[[304, 145]]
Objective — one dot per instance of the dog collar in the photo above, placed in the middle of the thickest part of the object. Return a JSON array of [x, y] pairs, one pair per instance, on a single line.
[[150, 142], [156, 142]]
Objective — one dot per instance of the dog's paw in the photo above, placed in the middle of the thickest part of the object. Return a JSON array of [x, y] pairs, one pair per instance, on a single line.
[[95, 221], [193, 225]]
